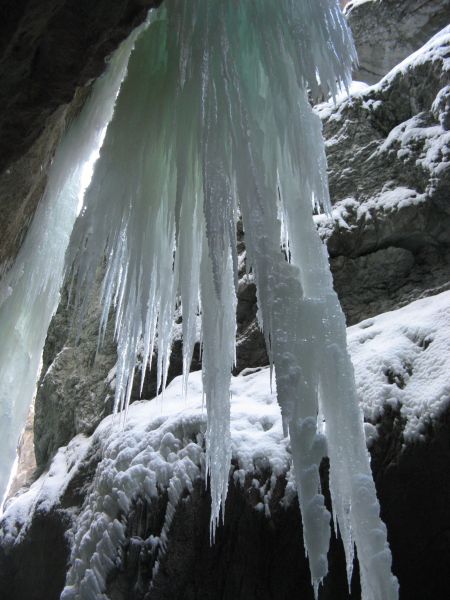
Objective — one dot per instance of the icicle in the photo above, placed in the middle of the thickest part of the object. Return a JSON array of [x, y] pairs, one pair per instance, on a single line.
[[219, 333], [29, 291], [214, 117]]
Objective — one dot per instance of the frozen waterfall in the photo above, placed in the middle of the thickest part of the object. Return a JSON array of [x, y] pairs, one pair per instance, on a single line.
[[213, 121], [29, 291]]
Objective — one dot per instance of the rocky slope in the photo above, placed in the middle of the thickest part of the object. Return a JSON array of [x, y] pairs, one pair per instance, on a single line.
[[388, 240]]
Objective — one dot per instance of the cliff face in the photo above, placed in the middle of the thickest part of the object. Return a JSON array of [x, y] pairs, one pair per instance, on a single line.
[[389, 31], [389, 245], [49, 49]]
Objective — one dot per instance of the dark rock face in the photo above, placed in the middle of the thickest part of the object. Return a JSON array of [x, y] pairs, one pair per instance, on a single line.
[[414, 494], [387, 32], [253, 557], [35, 567], [48, 49]]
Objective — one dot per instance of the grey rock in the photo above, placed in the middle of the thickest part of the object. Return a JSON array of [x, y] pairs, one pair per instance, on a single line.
[[389, 174], [74, 392], [387, 31]]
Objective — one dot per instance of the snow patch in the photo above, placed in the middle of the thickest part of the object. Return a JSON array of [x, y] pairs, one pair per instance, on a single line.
[[402, 359]]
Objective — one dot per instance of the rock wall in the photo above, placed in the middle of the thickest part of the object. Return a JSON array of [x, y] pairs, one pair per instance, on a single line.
[[389, 244], [49, 49], [388, 31]]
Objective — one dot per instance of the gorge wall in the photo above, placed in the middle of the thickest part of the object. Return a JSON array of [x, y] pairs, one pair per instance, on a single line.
[[389, 246]]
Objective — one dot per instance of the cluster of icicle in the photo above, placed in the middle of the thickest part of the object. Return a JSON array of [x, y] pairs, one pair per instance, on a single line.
[[29, 291], [212, 121]]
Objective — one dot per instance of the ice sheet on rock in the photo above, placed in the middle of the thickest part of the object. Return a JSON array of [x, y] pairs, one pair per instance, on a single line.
[[29, 291]]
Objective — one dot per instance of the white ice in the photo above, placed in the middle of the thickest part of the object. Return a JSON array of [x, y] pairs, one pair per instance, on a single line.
[[214, 118], [29, 291]]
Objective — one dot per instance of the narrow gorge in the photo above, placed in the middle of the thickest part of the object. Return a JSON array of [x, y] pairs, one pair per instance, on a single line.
[[106, 507]]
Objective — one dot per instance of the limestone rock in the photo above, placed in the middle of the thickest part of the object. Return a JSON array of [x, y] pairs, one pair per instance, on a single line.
[[387, 31], [389, 173]]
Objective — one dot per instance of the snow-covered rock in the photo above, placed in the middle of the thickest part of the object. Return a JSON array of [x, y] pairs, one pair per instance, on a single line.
[[388, 31], [401, 361], [389, 170]]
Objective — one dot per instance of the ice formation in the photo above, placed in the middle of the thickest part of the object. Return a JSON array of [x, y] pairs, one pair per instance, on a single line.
[[29, 291], [214, 118]]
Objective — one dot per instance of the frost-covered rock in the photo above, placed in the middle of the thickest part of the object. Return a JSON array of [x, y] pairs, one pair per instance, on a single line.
[[147, 493], [388, 31], [389, 170]]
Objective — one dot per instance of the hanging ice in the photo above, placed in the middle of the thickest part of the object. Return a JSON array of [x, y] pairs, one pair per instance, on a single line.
[[213, 118], [29, 291]]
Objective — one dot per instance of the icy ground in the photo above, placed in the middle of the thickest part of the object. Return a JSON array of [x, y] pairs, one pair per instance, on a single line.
[[401, 358]]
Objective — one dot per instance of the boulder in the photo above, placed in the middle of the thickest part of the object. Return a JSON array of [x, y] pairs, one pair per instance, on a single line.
[[388, 31]]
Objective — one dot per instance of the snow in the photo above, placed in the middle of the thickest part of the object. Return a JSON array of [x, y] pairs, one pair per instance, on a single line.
[[354, 3], [161, 445], [421, 141], [45, 492], [401, 359], [326, 109], [435, 50], [161, 448]]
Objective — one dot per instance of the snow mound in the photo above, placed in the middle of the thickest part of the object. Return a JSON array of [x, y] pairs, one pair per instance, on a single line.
[[402, 359]]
